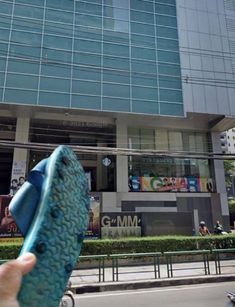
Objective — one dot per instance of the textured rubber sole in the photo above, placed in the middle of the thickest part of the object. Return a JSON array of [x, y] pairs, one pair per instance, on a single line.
[[57, 231]]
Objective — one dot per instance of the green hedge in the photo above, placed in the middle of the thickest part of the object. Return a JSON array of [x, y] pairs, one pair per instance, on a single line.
[[137, 245]]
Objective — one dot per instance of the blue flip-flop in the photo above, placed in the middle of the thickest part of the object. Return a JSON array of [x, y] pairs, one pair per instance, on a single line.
[[51, 210]]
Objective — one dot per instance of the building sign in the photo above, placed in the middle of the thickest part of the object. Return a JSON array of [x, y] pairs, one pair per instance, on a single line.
[[8, 228], [17, 176], [170, 184], [117, 225], [93, 230]]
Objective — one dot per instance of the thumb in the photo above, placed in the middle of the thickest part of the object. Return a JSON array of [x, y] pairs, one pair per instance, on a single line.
[[11, 275]]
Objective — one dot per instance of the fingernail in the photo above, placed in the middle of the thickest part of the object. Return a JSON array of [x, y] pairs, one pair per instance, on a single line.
[[27, 257]]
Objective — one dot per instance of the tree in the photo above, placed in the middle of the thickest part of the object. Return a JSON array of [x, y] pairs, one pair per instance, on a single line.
[[229, 172]]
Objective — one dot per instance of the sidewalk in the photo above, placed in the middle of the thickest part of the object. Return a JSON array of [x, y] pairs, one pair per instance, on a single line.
[[137, 277]]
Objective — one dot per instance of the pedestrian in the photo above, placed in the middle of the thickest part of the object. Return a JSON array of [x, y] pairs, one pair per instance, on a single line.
[[203, 230]]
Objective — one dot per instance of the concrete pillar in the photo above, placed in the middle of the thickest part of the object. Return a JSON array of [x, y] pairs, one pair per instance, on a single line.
[[20, 156], [219, 175], [122, 161]]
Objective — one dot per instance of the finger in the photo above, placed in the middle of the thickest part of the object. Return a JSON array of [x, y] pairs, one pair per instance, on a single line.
[[11, 275]]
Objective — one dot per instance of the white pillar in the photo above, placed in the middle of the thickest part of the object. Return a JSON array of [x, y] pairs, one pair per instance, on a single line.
[[122, 161], [20, 156], [219, 174]]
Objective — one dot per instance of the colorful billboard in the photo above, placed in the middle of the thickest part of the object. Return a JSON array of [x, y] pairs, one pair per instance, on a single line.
[[93, 230], [170, 184]]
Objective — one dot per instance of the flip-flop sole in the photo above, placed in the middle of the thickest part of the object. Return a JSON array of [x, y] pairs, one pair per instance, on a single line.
[[57, 230]]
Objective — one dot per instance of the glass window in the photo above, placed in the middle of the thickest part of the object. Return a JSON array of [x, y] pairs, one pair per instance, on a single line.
[[116, 63], [162, 142], [86, 102], [116, 25], [166, 21], [19, 65], [116, 104], [20, 96], [167, 56], [144, 106], [116, 76], [145, 93], [116, 37], [87, 46], [167, 32], [147, 138], [87, 73], [55, 84], [2, 78], [56, 56], [26, 52], [143, 53], [116, 13], [6, 8], [87, 59], [170, 95], [2, 64], [141, 5], [61, 4], [84, 87], [31, 2], [171, 109], [168, 44], [54, 99], [57, 42], [144, 67], [64, 17], [4, 34], [143, 40], [26, 38], [118, 3], [5, 22], [134, 138], [140, 28], [165, 9], [88, 33], [142, 17], [28, 11], [138, 79], [27, 25], [171, 2], [54, 28], [89, 21], [170, 82], [116, 90], [22, 81], [115, 49], [175, 141], [169, 69], [57, 70], [88, 8]]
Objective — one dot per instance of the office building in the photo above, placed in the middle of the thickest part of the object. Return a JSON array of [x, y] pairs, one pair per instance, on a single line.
[[154, 75]]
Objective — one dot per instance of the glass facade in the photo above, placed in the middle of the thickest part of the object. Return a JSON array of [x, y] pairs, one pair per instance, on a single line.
[[111, 55], [156, 173]]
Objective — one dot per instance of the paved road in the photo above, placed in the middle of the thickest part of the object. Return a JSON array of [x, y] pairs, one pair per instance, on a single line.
[[203, 295]]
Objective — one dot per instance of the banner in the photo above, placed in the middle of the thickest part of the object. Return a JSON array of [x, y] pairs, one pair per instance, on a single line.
[[8, 228], [93, 230], [170, 184], [17, 176]]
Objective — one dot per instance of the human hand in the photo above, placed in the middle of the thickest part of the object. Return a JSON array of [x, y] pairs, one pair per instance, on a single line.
[[11, 274]]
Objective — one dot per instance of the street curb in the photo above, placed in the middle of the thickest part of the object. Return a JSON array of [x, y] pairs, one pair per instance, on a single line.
[[132, 285]]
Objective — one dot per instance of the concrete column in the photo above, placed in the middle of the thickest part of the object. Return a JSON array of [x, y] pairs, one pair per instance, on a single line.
[[20, 156], [122, 161], [219, 174]]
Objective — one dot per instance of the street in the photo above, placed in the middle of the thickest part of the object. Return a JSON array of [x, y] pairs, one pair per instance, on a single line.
[[202, 295]]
